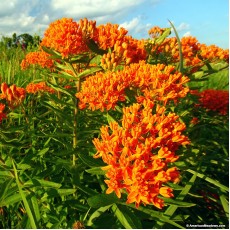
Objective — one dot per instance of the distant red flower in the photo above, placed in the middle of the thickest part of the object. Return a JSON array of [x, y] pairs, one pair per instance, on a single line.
[[215, 100]]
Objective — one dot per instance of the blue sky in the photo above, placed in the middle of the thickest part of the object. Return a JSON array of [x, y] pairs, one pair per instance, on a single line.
[[207, 20]]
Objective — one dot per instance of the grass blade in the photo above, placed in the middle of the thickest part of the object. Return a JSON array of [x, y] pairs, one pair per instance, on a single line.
[[27, 207]]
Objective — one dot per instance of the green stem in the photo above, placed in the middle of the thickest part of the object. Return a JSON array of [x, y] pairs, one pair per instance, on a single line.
[[78, 85]]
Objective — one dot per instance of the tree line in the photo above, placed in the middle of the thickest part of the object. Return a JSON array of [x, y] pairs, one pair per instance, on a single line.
[[23, 40]]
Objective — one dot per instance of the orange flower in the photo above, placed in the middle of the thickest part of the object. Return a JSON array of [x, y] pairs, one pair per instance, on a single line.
[[156, 82], [194, 53], [109, 35], [138, 152], [37, 58], [38, 87], [14, 95]]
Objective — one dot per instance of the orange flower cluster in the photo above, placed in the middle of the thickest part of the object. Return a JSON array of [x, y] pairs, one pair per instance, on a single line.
[[71, 38], [2, 114], [194, 53], [38, 87], [68, 37], [213, 53], [215, 100], [13, 95], [137, 153], [37, 58], [109, 35], [156, 82]]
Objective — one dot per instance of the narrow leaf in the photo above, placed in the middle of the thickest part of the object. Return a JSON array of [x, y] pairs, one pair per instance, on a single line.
[[89, 160], [96, 171], [102, 200], [90, 71], [225, 204], [208, 179], [96, 214], [127, 218]]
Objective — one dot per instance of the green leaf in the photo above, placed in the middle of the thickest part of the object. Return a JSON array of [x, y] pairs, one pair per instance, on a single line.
[[102, 200], [89, 71], [109, 118], [24, 166], [127, 218], [43, 183], [66, 192], [208, 179], [165, 34], [63, 74], [89, 160], [33, 202], [10, 200], [176, 202], [52, 52], [96, 214], [76, 205], [43, 151], [5, 174], [58, 88], [155, 214], [86, 190], [96, 171], [94, 47], [225, 204], [24, 199], [4, 187], [198, 75]]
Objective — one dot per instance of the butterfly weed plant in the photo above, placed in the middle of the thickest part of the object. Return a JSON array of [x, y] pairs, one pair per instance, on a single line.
[[115, 132]]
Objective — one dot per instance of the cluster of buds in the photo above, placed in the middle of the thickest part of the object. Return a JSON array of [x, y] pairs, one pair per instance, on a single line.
[[109, 61], [13, 95], [88, 28]]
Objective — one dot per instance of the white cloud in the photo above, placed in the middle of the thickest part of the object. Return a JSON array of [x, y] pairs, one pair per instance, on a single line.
[[182, 26], [93, 8], [17, 16], [187, 34], [135, 26], [30, 16]]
